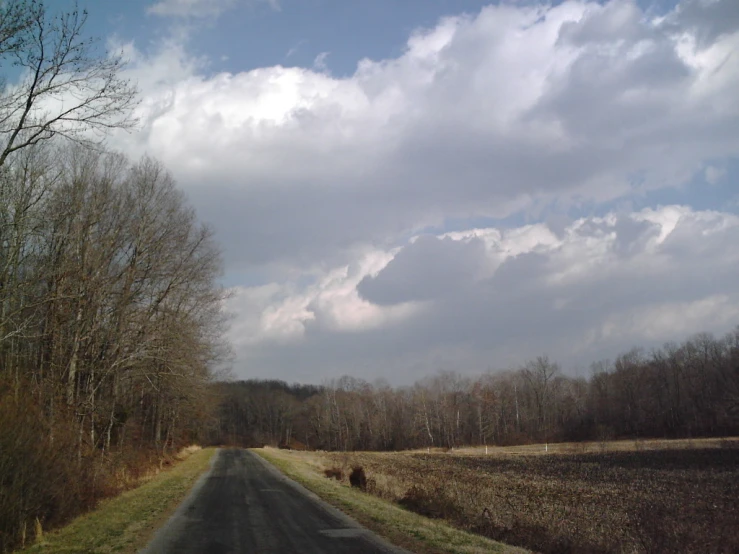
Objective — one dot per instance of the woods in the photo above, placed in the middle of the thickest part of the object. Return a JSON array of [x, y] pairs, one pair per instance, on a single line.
[[680, 390], [110, 318], [110, 307]]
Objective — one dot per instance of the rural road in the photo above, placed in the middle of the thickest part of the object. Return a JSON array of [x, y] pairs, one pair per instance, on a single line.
[[245, 505]]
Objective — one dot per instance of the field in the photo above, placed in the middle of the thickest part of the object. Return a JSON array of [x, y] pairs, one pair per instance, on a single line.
[[642, 497]]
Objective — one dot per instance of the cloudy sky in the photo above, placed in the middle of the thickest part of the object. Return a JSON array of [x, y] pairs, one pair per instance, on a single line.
[[405, 187]]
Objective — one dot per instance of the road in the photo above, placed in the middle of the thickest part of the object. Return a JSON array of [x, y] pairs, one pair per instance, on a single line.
[[245, 505]]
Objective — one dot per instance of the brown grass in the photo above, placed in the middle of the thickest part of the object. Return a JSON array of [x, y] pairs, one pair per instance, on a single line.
[[630, 445], [334, 473], [388, 519], [126, 523], [657, 496]]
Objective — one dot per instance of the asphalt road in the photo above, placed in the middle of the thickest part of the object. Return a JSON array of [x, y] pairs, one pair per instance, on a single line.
[[243, 505]]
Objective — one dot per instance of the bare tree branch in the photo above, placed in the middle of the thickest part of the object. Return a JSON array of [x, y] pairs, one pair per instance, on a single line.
[[67, 87]]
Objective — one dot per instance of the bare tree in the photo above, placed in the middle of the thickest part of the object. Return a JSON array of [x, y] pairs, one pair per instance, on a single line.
[[538, 375], [67, 86]]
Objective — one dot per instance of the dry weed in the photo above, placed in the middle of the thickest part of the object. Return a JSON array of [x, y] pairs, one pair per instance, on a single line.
[[624, 499]]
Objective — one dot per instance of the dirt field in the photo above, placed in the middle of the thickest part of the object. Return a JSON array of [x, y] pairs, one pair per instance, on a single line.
[[663, 497]]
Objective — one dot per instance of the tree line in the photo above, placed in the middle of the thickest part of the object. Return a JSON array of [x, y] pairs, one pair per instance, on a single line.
[[689, 389], [110, 307]]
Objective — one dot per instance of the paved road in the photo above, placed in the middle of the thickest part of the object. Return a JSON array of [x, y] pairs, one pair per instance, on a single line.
[[244, 505]]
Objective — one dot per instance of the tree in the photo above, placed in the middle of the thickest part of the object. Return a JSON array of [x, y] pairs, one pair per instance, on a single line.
[[539, 375], [67, 87], [110, 324]]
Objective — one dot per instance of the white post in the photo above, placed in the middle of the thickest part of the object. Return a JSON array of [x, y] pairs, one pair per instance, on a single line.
[[546, 447], [486, 449]]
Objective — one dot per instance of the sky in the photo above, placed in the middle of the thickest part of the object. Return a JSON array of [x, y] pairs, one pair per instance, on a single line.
[[401, 188]]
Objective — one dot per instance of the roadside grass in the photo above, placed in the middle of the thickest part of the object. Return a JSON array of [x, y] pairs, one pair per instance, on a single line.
[[400, 526], [127, 522]]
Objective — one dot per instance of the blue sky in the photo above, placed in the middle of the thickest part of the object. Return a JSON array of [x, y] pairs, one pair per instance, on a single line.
[[290, 32], [256, 34], [404, 187]]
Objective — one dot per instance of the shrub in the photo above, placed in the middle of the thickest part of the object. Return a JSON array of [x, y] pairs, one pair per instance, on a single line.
[[41, 475], [358, 479], [46, 476]]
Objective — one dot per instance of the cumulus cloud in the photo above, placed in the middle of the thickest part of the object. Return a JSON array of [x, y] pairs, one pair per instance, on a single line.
[[417, 274], [280, 312], [509, 110], [543, 113], [493, 297]]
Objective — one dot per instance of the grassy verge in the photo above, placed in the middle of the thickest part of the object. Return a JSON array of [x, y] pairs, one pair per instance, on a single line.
[[127, 522], [411, 531]]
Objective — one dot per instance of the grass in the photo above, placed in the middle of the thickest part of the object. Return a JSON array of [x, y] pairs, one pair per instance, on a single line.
[[127, 522], [662, 496], [400, 526]]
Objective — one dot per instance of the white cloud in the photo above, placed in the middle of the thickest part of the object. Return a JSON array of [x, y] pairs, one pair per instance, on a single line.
[[607, 284], [190, 8], [201, 8], [319, 63], [284, 312], [482, 116], [295, 49], [517, 110]]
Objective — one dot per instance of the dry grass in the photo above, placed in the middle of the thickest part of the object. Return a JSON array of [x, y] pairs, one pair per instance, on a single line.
[[652, 496], [125, 523], [400, 526], [141, 467], [188, 451], [636, 445]]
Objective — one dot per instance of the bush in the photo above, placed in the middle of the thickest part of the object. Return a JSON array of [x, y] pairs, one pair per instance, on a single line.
[[358, 479], [45, 478], [40, 474]]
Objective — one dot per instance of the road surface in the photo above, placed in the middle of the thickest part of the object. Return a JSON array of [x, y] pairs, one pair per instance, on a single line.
[[244, 505]]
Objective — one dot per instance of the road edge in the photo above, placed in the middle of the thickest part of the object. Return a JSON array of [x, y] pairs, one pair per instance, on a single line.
[[172, 525], [378, 541]]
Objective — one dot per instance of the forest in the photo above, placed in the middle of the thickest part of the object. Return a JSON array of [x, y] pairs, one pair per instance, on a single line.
[[110, 327], [110, 305], [684, 390]]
